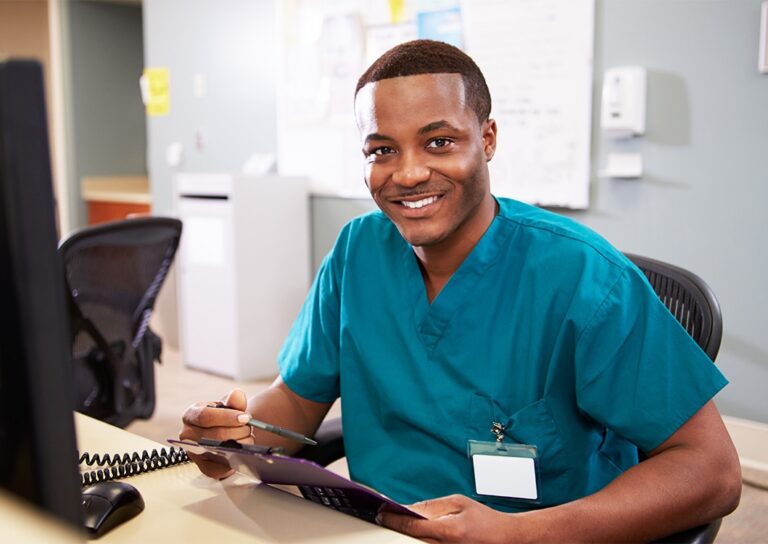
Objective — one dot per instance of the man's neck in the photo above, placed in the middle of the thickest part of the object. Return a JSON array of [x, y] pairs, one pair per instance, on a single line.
[[438, 262]]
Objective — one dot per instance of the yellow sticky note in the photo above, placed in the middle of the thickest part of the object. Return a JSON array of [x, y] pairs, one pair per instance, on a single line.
[[397, 11], [156, 87]]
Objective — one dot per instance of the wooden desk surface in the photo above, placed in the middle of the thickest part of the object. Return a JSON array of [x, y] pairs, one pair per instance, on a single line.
[[182, 505]]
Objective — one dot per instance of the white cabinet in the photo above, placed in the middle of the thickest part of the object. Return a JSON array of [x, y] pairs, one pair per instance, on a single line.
[[244, 266]]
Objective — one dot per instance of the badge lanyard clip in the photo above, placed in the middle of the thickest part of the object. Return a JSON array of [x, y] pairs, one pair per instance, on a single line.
[[498, 429], [504, 470]]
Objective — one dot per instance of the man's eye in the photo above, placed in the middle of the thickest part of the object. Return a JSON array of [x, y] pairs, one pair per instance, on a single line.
[[439, 142], [384, 150]]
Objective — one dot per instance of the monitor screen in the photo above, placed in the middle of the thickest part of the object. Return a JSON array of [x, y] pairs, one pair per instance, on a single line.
[[38, 458]]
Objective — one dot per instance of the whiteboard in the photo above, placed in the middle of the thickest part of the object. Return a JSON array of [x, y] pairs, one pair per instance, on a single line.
[[536, 56]]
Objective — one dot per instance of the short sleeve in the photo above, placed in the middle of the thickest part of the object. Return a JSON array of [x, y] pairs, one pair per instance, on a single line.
[[638, 372], [309, 358]]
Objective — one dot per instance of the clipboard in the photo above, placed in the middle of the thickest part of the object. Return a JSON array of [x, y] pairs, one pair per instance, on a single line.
[[316, 483]]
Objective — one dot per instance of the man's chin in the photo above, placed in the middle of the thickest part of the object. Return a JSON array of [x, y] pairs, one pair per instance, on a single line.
[[420, 238]]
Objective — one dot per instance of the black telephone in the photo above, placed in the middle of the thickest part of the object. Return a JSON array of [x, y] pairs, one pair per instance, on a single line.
[[112, 467]]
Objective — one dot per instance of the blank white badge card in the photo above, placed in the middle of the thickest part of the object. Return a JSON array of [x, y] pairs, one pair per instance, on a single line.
[[513, 477]]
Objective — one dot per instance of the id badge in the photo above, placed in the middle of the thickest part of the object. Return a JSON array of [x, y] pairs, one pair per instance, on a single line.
[[505, 470]]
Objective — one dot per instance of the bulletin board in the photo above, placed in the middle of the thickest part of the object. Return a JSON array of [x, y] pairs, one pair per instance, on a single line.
[[536, 56]]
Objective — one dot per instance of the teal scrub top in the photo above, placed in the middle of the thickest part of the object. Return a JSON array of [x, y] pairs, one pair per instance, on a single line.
[[544, 327]]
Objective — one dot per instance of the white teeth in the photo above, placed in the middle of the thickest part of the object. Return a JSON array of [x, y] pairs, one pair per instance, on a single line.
[[419, 203]]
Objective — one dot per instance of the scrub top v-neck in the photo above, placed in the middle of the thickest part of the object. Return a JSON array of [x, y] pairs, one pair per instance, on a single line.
[[432, 319], [544, 327]]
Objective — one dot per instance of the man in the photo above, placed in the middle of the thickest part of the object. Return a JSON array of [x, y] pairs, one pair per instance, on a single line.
[[451, 310]]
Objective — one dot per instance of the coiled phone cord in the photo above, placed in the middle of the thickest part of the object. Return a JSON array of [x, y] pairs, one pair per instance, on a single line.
[[128, 464]]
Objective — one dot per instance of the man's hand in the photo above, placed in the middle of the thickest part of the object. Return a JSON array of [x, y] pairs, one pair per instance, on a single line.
[[211, 420], [451, 519], [277, 405]]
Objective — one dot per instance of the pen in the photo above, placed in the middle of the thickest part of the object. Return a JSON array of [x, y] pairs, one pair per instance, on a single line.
[[279, 431]]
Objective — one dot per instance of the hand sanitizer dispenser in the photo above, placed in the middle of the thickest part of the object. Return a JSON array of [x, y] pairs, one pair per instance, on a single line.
[[623, 102]]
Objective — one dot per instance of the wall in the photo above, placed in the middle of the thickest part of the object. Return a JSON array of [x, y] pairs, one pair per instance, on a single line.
[[229, 49], [221, 62], [107, 132], [702, 202], [24, 34]]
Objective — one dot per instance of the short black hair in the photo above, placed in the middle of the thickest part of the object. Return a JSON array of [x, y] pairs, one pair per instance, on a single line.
[[432, 57]]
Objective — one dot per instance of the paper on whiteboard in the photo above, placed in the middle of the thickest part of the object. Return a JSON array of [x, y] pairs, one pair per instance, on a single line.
[[536, 56]]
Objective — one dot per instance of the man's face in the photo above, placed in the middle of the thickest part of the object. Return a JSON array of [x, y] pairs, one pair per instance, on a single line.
[[426, 155]]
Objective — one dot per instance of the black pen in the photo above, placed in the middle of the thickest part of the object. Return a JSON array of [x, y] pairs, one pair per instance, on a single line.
[[279, 431]]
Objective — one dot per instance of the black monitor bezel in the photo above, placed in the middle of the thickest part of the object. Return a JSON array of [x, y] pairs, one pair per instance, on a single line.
[[37, 431]]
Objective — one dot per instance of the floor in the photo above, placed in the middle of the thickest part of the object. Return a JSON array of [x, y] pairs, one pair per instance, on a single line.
[[178, 387]]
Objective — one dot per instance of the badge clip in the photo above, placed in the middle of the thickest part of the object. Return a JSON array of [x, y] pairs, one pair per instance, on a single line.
[[504, 470]]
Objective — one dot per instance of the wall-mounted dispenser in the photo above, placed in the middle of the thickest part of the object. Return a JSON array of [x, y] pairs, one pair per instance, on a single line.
[[622, 116], [623, 102]]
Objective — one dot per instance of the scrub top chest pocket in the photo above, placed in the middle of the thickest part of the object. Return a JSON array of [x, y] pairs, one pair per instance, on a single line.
[[522, 468]]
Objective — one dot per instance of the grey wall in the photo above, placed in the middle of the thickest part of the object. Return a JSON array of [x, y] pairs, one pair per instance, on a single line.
[[107, 129], [702, 202], [231, 44]]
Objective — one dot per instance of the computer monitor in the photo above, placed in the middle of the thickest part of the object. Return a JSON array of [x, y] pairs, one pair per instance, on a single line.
[[38, 458]]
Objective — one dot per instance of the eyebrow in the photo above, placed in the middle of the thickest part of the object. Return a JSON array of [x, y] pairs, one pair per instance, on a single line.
[[437, 125], [377, 136], [426, 129]]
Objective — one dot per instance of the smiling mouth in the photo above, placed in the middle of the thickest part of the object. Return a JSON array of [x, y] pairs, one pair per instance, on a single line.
[[416, 204]]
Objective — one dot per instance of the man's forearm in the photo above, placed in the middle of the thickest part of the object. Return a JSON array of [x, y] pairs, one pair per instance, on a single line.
[[656, 498], [280, 406]]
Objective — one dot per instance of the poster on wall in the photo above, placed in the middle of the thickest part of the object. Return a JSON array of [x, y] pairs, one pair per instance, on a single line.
[[536, 57]]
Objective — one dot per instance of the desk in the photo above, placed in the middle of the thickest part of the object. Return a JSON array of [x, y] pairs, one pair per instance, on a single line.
[[182, 505], [110, 198]]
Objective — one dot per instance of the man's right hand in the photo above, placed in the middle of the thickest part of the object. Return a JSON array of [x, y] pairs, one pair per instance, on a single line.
[[224, 420]]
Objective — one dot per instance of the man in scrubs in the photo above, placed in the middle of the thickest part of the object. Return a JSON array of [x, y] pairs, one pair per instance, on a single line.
[[450, 311]]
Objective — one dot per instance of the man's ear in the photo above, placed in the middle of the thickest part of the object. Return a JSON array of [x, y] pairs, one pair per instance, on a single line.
[[489, 139]]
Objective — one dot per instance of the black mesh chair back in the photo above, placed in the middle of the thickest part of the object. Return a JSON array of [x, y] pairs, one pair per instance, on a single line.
[[689, 298], [114, 273]]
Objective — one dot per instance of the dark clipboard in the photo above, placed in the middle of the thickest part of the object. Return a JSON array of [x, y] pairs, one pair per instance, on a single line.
[[315, 482]]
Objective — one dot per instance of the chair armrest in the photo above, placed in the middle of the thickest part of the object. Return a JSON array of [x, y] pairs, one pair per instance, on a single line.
[[330, 444]]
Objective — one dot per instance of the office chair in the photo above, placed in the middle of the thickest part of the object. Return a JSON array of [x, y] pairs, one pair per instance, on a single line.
[[113, 274], [689, 298], [686, 295]]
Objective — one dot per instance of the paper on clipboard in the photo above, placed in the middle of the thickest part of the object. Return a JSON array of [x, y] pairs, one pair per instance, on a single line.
[[315, 482]]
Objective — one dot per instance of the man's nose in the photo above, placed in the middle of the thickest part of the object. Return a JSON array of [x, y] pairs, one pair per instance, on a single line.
[[411, 171]]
